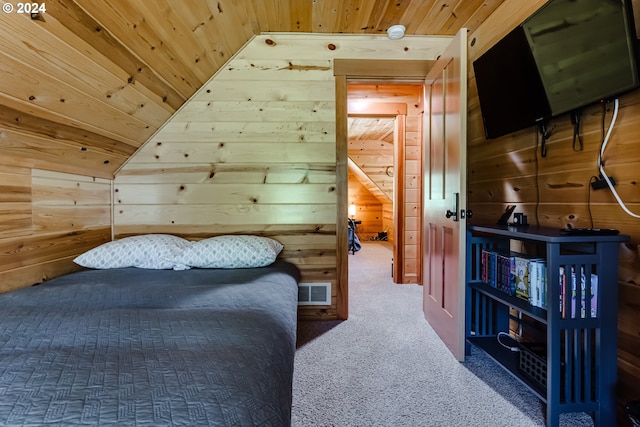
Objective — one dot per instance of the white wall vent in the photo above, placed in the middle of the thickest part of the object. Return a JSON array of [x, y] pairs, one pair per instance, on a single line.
[[314, 294]]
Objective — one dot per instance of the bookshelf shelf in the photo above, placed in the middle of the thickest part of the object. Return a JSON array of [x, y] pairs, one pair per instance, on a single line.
[[509, 361], [579, 334], [535, 312]]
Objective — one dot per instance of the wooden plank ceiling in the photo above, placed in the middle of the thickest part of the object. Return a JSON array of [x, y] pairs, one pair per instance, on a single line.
[[87, 82]]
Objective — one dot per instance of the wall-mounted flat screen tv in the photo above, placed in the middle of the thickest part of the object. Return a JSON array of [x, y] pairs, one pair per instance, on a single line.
[[569, 54]]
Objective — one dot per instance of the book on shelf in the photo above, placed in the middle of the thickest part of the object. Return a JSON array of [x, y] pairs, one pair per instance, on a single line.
[[538, 282], [562, 291], [569, 287], [543, 278], [594, 296], [573, 293], [512, 273], [484, 266], [493, 269], [527, 278], [520, 271], [505, 281], [489, 268]]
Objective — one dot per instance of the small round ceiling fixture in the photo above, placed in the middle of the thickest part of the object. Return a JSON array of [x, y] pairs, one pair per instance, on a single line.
[[396, 32]]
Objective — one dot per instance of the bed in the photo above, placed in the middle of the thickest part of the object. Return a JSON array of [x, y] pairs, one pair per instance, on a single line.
[[131, 346]]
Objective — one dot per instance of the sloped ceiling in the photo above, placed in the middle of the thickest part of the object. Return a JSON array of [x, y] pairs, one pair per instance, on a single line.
[[370, 153], [86, 82]]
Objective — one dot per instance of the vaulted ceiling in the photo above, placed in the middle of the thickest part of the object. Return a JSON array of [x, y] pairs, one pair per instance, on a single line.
[[87, 82]]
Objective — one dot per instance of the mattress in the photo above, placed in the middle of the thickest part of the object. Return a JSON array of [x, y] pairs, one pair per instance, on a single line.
[[150, 347]]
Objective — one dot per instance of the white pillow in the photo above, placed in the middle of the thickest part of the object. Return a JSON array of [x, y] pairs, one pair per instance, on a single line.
[[153, 251], [231, 251]]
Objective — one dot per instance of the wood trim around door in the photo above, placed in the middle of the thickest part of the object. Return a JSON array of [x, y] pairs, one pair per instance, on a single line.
[[342, 189], [390, 70], [398, 200]]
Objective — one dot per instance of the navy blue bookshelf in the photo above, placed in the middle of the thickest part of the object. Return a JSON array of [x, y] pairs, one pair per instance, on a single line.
[[580, 349]]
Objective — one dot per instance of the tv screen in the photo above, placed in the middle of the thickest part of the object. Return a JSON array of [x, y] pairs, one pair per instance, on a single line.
[[574, 53], [509, 88]]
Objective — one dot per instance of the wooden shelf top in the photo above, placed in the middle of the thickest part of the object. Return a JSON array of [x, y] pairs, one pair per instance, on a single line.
[[544, 234]]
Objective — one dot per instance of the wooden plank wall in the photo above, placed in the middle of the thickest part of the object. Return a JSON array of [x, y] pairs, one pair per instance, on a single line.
[[413, 191], [554, 191], [254, 151], [375, 159], [46, 220], [368, 209], [387, 220]]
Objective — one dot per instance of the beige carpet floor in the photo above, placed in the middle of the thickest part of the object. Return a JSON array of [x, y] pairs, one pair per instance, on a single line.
[[385, 366]]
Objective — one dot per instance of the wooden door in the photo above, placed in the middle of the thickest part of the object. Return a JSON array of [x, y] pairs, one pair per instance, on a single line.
[[444, 194]]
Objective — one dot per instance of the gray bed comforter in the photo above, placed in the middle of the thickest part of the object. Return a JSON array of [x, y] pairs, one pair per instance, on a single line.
[[150, 347]]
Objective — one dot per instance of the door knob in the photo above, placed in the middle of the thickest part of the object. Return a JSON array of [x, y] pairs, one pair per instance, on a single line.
[[454, 213]]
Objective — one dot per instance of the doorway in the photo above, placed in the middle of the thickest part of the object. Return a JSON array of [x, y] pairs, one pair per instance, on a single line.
[[371, 166], [384, 157], [348, 71], [371, 175]]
